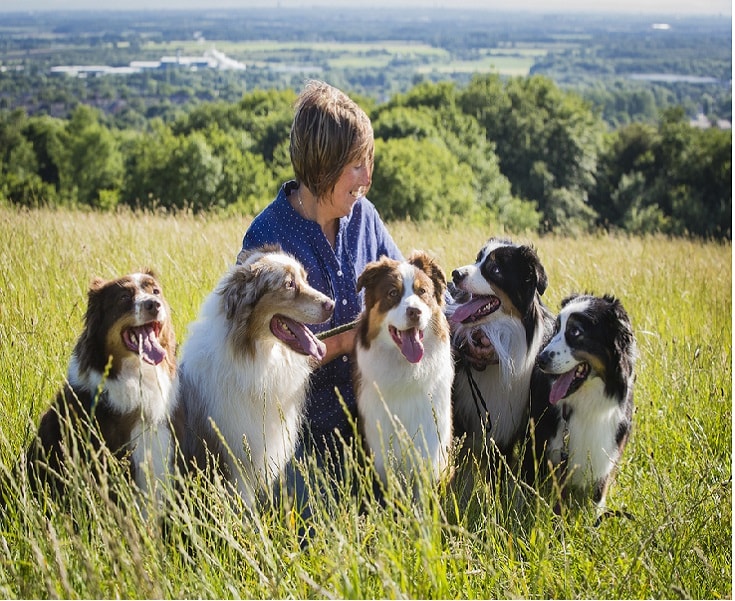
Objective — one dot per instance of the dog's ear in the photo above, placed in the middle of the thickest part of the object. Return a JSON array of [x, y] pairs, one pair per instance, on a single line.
[[431, 268], [96, 284], [247, 254], [243, 255], [569, 298], [271, 248], [538, 271], [150, 272], [374, 271], [89, 341], [238, 290], [94, 295], [542, 281], [624, 342]]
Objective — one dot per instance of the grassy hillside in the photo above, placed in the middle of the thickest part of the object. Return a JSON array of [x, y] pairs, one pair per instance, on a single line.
[[675, 478]]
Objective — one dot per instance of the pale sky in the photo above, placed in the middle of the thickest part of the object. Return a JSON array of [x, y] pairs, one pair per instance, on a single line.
[[653, 7]]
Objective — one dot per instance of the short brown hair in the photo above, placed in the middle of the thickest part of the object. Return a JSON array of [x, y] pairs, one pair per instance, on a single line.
[[329, 131]]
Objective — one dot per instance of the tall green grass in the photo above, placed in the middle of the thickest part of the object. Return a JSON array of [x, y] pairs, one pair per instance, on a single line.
[[675, 478]]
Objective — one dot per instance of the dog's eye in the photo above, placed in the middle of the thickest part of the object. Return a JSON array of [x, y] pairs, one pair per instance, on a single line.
[[574, 332], [125, 297], [421, 291], [156, 291], [290, 284], [393, 292]]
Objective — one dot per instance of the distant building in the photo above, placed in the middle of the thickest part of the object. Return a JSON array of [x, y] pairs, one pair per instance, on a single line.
[[702, 122], [190, 62], [91, 70], [145, 65], [212, 59]]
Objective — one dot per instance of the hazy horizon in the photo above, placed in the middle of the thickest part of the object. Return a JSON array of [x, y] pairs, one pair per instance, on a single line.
[[632, 7]]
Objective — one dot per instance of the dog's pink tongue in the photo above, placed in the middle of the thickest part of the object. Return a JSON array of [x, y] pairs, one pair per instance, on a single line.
[[468, 309], [411, 345], [305, 341], [560, 387], [147, 345]]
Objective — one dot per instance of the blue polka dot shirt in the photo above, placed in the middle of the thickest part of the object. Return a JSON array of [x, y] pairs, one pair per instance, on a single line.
[[362, 237]]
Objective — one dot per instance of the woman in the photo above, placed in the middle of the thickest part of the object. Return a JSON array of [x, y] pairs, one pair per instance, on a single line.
[[324, 220]]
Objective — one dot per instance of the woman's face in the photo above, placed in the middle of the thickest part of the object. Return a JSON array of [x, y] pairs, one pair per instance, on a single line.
[[352, 183]]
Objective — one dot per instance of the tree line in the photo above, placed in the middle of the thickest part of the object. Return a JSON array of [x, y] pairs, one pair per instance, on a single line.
[[520, 152]]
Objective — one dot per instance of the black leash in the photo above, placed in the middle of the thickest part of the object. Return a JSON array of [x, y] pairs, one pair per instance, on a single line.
[[337, 330], [477, 395]]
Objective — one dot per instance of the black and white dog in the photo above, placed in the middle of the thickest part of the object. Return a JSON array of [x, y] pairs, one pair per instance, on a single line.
[[497, 332], [582, 397]]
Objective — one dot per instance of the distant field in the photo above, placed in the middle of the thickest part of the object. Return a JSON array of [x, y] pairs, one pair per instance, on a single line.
[[270, 48], [502, 64], [675, 477], [368, 55]]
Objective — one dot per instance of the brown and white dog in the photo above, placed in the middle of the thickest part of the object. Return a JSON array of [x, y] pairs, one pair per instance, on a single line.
[[497, 331], [120, 389], [582, 400], [245, 367], [404, 365]]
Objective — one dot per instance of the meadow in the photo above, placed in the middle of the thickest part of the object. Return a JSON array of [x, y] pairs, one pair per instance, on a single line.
[[363, 55], [675, 479]]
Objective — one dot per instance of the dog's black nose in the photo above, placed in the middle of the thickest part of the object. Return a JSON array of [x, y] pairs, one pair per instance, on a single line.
[[458, 275], [544, 358], [152, 305]]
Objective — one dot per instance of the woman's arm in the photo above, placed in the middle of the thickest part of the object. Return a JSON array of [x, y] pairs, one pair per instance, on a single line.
[[339, 344]]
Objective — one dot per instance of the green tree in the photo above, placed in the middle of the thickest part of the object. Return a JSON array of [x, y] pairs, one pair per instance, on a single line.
[[672, 178], [267, 115], [421, 180], [429, 112], [624, 169], [147, 179], [20, 182], [547, 142], [173, 171], [695, 179], [201, 169], [198, 173], [44, 132], [89, 159], [247, 184], [259, 125]]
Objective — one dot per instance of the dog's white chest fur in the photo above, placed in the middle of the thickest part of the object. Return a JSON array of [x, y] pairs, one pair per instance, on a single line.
[[588, 437], [255, 402], [500, 389], [404, 405], [149, 392]]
